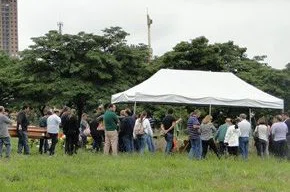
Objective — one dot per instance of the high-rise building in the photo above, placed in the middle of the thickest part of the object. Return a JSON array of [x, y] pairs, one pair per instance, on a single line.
[[9, 27]]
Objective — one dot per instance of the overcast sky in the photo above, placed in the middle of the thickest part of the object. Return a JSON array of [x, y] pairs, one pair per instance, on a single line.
[[263, 26]]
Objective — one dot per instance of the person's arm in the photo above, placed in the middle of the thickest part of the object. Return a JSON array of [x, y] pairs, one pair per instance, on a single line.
[[19, 121], [217, 133], [162, 127], [213, 128], [227, 136], [179, 120], [172, 127], [268, 130], [58, 119], [273, 130], [7, 120], [148, 127]]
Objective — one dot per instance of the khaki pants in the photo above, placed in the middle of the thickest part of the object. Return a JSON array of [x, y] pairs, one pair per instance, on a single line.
[[111, 140]]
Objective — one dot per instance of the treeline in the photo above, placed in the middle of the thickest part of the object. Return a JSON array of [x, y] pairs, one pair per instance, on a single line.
[[84, 70]]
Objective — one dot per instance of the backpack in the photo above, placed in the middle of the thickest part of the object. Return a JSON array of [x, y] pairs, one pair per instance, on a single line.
[[138, 128]]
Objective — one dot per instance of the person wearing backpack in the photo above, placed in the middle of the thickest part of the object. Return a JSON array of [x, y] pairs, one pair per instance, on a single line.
[[141, 128]]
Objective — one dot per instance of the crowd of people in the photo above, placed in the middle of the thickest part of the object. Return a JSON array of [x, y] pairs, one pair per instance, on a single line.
[[233, 137], [133, 133]]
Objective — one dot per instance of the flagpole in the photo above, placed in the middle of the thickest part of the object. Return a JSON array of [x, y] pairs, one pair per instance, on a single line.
[[149, 22]]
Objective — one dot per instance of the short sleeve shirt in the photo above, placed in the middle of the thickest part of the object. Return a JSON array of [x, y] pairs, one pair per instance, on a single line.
[[167, 122]]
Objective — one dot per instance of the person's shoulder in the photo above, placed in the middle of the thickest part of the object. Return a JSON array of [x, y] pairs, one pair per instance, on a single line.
[[147, 120]]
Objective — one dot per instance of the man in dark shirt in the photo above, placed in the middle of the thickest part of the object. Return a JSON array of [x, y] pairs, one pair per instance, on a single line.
[[126, 131], [167, 127], [22, 124], [43, 143]]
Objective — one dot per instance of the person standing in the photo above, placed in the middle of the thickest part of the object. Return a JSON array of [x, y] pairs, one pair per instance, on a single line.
[[4, 134], [232, 138], [21, 128], [72, 133], [149, 136], [245, 128], [167, 126], [126, 132], [111, 133], [43, 143], [53, 123], [279, 131], [193, 127], [262, 131], [64, 118], [207, 130], [83, 126], [286, 120], [220, 136]]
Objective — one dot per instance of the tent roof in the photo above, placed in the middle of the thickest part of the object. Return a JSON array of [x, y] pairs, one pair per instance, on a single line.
[[198, 87]]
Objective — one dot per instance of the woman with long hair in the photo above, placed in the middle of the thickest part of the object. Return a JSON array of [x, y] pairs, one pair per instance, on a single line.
[[72, 134], [141, 130], [262, 132]]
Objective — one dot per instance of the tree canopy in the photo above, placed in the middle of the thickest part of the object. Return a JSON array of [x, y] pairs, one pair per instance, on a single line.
[[85, 69]]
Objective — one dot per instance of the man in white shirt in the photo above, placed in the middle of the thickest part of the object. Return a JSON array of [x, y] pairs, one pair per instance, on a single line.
[[245, 128], [53, 123]]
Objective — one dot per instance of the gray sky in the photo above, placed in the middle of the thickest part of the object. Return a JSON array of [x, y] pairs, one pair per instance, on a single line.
[[263, 26]]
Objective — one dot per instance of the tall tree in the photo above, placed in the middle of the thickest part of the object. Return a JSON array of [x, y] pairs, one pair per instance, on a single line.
[[81, 69]]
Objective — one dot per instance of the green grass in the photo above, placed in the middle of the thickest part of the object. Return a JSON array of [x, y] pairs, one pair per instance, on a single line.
[[89, 171]]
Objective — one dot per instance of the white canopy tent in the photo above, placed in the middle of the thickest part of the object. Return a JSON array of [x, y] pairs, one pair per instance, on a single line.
[[198, 87]]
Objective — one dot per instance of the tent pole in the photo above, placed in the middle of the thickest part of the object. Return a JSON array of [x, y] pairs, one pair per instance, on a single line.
[[210, 109], [135, 108], [250, 116]]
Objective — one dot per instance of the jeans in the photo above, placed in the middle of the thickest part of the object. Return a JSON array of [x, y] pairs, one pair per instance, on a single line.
[[141, 139], [150, 143], [54, 140], [23, 142], [244, 146], [128, 143], [169, 143], [43, 145], [196, 149], [99, 137], [288, 147], [7, 143], [280, 148]]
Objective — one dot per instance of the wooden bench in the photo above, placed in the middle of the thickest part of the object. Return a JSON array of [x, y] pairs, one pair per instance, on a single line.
[[33, 132]]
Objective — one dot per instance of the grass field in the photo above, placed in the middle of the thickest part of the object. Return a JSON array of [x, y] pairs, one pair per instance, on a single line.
[[89, 171]]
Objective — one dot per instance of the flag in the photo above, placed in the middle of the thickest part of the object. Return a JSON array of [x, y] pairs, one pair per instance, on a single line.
[[149, 21]]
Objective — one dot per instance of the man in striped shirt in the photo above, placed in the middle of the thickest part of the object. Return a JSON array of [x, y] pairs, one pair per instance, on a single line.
[[193, 126]]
